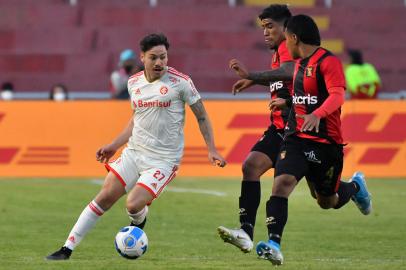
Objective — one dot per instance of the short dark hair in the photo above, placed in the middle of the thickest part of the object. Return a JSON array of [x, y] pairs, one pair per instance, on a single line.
[[60, 85], [7, 86], [153, 40], [356, 56], [278, 13], [304, 28]]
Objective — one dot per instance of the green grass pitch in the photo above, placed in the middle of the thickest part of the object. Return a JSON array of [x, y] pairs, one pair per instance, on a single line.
[[37, 214]]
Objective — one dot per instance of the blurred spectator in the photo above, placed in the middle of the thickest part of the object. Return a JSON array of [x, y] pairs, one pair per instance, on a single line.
[[58, 92], [127, 67], [363, 81], [7, 91]]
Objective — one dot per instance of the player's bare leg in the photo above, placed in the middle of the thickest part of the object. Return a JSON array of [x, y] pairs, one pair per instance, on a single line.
[[327, 202], [137, 205], [346, 191], [254, 166], [355, 188], [111, 191]]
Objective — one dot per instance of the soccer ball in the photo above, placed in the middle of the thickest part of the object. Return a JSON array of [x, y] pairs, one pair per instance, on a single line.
[[131, 242]]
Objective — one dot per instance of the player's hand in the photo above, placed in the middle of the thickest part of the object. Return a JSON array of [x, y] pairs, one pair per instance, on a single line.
[[105, 152], [239, 68], [311, 122], [277, 104], [241, 85], [216, 159]]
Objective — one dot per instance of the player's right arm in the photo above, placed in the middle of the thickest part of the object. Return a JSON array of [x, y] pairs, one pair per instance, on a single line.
[[207, 132], [283, 73], [107, 151]]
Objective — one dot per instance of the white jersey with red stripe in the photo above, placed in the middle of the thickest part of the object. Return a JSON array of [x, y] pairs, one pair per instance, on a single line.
[[159, 114]]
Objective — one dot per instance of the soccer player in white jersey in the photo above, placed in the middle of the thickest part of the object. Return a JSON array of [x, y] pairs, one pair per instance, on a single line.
[[154, 137]]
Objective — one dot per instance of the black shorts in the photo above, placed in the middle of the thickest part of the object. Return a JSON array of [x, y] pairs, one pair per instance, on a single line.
[[320, 163], [270, 143]]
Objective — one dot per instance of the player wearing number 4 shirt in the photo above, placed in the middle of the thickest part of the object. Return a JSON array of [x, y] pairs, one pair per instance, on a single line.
[[313, 144], [263, 154], [154, 137]]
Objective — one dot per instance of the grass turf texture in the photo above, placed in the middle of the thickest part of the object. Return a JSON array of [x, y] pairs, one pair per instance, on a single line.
[[37, 214]]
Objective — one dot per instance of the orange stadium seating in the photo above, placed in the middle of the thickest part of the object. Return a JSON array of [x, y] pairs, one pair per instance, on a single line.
[[49, 41]]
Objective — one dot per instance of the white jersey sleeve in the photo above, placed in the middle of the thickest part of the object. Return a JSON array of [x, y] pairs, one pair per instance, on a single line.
[[189, 93]]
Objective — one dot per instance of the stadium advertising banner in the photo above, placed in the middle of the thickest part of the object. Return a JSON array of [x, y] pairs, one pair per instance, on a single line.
[[51, 139]]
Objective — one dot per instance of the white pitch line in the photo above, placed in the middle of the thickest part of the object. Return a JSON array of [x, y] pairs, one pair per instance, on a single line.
[[195, 190], [179, 190], [97, 181]]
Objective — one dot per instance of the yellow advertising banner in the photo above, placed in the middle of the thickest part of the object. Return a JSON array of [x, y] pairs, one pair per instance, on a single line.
[[51, 139]]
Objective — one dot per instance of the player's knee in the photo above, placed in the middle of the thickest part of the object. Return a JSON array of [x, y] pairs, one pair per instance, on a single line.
[[283, 185], [251, 169], [325, 203], [135, 205]]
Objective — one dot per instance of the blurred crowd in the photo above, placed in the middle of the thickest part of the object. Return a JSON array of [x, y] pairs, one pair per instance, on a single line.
[[363, 81]]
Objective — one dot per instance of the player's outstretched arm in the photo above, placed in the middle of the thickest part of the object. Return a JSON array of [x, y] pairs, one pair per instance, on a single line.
[[242, 72], [240, 85], [283, 73], [207, 133], [105, 152]]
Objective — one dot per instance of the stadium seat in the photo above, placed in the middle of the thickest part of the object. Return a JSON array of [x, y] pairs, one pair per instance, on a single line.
[[292, 3], [42, 42]]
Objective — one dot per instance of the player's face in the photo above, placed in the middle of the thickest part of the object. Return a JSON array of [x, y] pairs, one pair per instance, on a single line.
[[292, 45], [273, 33], [155, 61]]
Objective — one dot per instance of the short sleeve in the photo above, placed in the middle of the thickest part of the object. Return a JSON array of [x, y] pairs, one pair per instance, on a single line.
[[374, 74], [284, 55], [332, 71], [190, 95]]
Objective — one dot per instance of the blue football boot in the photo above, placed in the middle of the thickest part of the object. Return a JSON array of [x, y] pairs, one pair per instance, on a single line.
[[270, 251], [362, 198]]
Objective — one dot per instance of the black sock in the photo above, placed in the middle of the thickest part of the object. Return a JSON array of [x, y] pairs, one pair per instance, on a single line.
[[277, 216], [345, 192], [249, 203], [141, 225]]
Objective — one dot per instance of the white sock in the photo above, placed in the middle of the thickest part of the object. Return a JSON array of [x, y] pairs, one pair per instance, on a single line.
[[139, 217], [85, 223]]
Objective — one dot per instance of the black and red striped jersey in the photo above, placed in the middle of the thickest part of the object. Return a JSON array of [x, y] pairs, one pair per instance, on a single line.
[[280, 89], [313, 77]]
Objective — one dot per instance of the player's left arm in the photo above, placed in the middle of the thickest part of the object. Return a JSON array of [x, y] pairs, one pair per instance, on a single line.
[[334, 79], [207, 132]]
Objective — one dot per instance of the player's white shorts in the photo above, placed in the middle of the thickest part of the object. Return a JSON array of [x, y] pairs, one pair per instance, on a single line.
[[132, 168]]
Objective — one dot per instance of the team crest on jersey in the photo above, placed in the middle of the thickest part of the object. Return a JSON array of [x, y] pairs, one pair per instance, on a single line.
[[137, 91], [163, 90], [310, 71]]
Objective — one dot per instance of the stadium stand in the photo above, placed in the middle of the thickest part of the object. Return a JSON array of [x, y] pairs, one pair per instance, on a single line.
[[49, 41]]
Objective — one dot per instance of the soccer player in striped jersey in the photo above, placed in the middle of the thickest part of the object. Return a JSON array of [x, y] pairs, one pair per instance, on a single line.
[[313, 143], [263, 154], [154, 138]]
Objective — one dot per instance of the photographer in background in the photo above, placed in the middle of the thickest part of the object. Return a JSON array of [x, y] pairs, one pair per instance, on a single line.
[[128, 66]]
